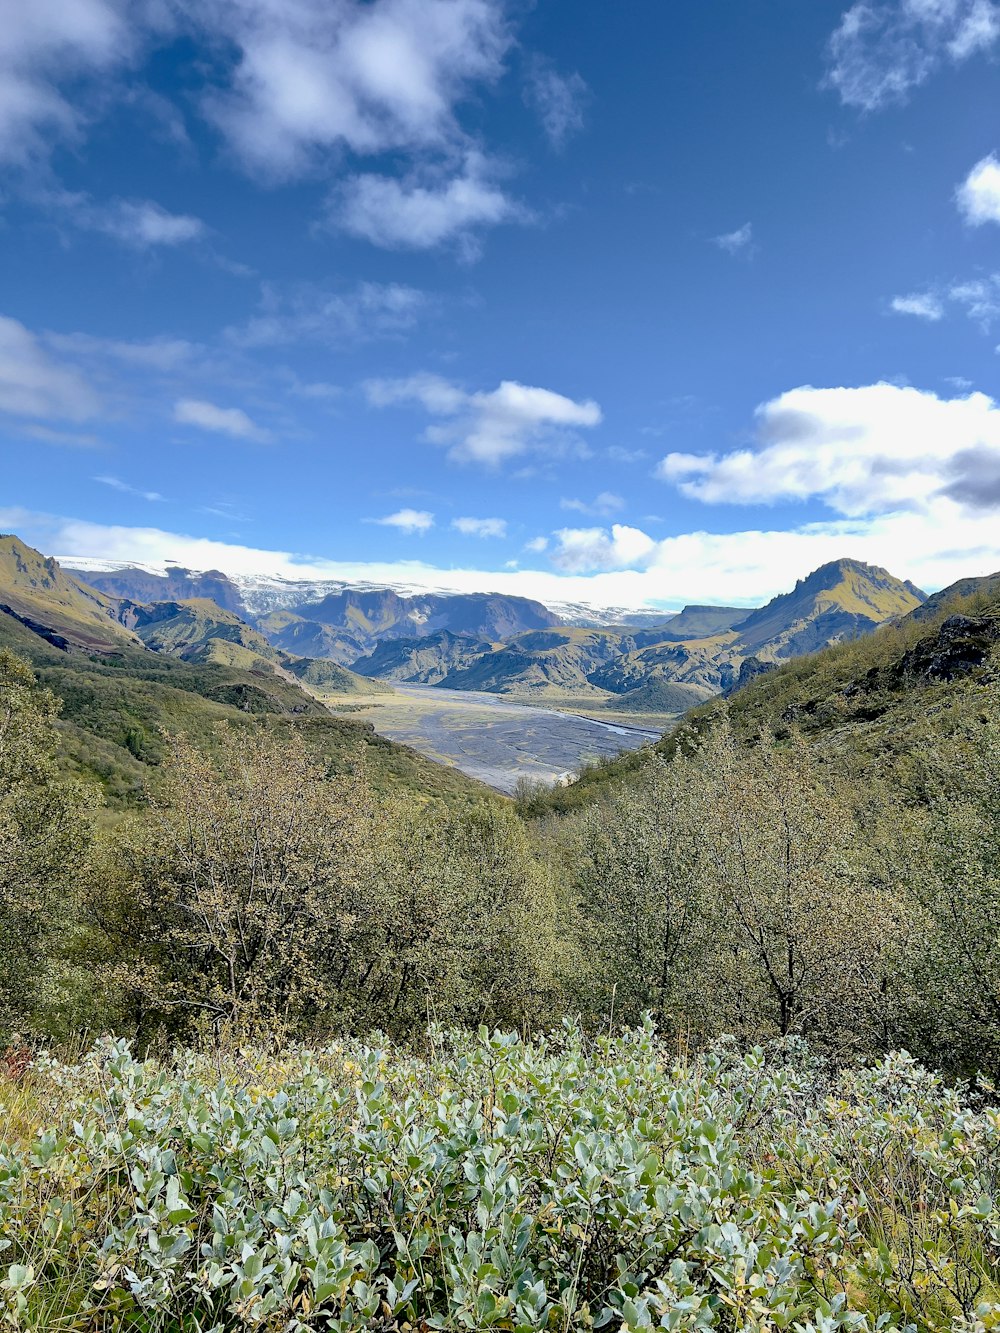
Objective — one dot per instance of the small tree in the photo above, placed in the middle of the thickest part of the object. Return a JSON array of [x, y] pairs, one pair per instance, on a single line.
[[644, 911], [44, 835], [811, 921], [236, 900]]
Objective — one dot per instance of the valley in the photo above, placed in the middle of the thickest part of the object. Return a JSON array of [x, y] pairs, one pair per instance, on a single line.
[[493, 739]]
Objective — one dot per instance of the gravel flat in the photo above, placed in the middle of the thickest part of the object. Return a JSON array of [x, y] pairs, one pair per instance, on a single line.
[[494, 740]]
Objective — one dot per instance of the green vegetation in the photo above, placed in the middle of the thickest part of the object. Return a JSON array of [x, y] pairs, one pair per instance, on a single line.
[[301, 925], [495, 1183]]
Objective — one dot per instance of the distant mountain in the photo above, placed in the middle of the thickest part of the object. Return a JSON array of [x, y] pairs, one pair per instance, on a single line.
[[70, 615], [198, 630], [134, 583], [841, 600], [422, 661], [565, 657], [668, 667], [328, 619]]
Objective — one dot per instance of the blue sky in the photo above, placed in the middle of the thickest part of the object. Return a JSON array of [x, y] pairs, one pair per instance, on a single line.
[[634, 304]]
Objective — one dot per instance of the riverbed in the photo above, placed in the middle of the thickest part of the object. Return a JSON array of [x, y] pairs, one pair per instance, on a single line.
[[495, 740]]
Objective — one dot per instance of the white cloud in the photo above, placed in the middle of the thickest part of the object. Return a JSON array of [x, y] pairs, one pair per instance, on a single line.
[[117, 484], [924, 305], [231, 421], [310, 314], [980, 298], [414, 214], [291, 84], [489, 428], [411, 521], [619, 454], [158, 354], [141, 223], [537, 544], [33, 384], [42, 44], [580, 550], [736, 242], [557, 99], [480, 527], [74, 439], [882, 49], [870, 450], [604, 505], [978, 197], [316, 75], [727, 568]]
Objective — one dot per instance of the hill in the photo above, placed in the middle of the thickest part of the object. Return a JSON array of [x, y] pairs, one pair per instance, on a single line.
[[868, 704], [119, 695], [38, 593], [842, 600]]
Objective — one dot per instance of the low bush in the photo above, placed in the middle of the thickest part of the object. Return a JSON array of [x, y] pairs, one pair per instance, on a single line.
[[495, 1184]]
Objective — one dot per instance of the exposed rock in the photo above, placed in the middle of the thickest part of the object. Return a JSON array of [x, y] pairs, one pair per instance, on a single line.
[[750, 668], [962, 644]]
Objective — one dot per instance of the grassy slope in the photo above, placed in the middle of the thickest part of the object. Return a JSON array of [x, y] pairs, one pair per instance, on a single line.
[[855, 698], [37, 589], [116, 706]]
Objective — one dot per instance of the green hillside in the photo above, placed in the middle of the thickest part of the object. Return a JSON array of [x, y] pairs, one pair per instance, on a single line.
[[870, 701], [36, 591], [119, 697]]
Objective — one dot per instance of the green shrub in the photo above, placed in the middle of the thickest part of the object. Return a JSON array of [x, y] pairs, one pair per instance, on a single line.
[[497, 1184]]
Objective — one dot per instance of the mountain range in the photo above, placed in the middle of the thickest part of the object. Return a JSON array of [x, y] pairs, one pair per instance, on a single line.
[[651, 662]]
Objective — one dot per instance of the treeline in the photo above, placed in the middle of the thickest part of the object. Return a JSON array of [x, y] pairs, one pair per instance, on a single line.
[[761, 889]]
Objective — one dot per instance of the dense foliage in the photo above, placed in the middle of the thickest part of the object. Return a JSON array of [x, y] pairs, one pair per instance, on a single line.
[[829, 874], [497, 1184]]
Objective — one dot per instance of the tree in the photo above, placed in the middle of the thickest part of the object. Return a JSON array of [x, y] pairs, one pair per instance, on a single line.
[[237, 899], [643, 907], [812, 921], [44, 835], [958, 885]]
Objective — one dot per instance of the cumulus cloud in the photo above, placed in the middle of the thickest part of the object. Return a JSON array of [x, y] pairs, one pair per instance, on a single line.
[[413, 522], [537, 545], [876, 449], [923, 305], [580, 550], [419, 214], [729, 568], [736, 242], [883, 49], [557, 100], [232, 421], [480, 527], [312, 314], [489, 428], [35, 384], [604, 505], [373, 77], [978, 197]]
